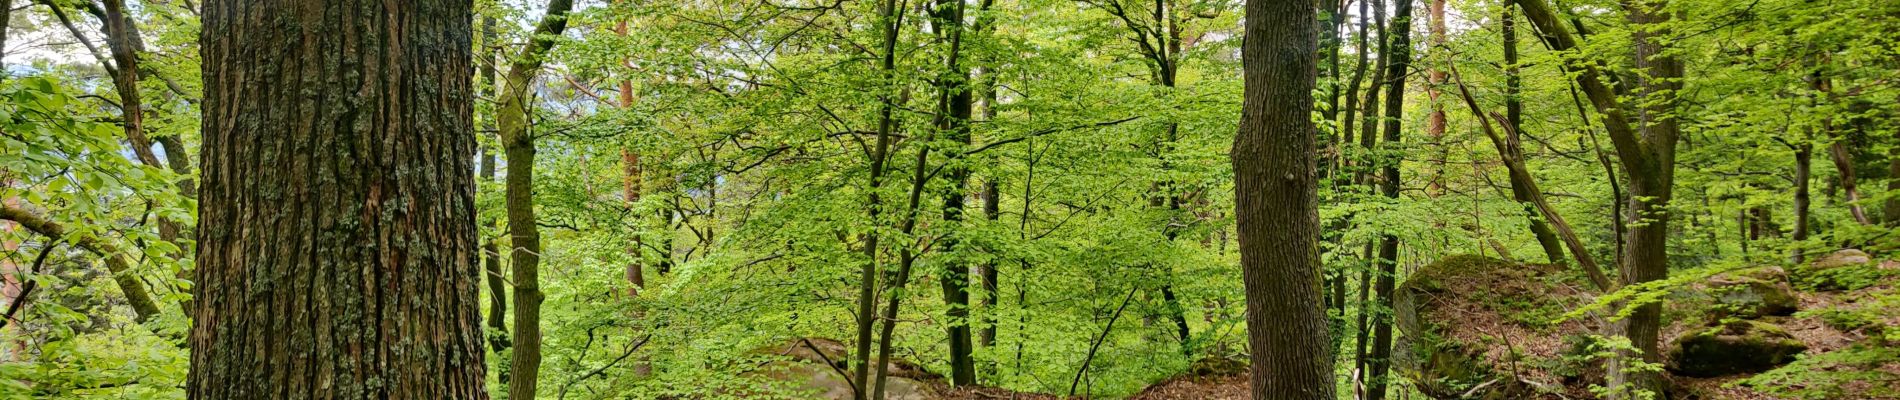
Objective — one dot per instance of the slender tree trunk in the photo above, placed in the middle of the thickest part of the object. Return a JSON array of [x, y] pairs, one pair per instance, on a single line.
[[1844, 165], [1892, 208], [992, 210], [136, 296], [630, 183], [1368, 140], [511, 115], [1398, 60], [1514, 119], [888, 21], [317, 259], [907, 258], [1803, 175], [1434, 79], [491, 247], [1511, 153], [1276, 204], [954, 109]]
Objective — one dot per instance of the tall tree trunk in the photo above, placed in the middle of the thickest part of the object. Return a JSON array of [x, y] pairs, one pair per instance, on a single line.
[[491, 247], [1651, 190], [1398, 60], [992, 210], [1513, 121], [888, 21], [1892, 209], [349, 279], [630, 183], [1649, 160], [1369, 139], [511, 115], [953, 122], [1434, 79], [906, 259], [1803, 175], [1276, 204]]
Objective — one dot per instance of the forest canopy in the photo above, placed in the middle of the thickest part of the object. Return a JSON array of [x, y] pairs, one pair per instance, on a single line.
[[950, 199]]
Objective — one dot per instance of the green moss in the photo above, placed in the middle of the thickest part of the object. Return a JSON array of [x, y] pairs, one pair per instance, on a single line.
[[1734, 347]]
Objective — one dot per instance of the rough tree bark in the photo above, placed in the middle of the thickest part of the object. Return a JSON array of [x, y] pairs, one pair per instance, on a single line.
[[337, 223], [1276, 204]]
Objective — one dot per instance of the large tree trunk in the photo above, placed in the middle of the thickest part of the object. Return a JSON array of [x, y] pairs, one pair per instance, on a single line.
[[524, 256], [1399, 56], [1651, 190], [1276, 204], [1649, 159], [318, 259]]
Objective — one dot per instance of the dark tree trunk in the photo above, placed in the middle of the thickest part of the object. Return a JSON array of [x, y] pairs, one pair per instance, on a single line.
[[491, 247], [888, 22], [1892, 209], [1651, 190], [1803, 175], [1276, 204], [955, 106], [1368, 139], [1649, 159], [318, 259], [1398, 60], [1514, 119]]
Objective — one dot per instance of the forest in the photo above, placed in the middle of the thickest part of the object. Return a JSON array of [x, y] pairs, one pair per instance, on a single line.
[[950, 199]]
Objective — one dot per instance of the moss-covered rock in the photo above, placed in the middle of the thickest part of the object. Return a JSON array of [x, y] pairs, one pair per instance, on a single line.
[[1847, 269], [1483, 328], [1843, 258], [1734, 347], [1746, 296]]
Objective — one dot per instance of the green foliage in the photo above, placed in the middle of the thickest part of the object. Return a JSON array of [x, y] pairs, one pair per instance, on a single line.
[[1831, 375]]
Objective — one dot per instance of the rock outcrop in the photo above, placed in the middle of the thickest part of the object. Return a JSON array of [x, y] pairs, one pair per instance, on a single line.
[[1734, 347], [1483, 328]]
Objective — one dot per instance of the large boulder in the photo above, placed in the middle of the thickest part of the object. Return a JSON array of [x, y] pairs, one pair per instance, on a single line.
[[1847, 269], [1733, 347], [1483, 328], [1843, 258], [1753, 293]]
